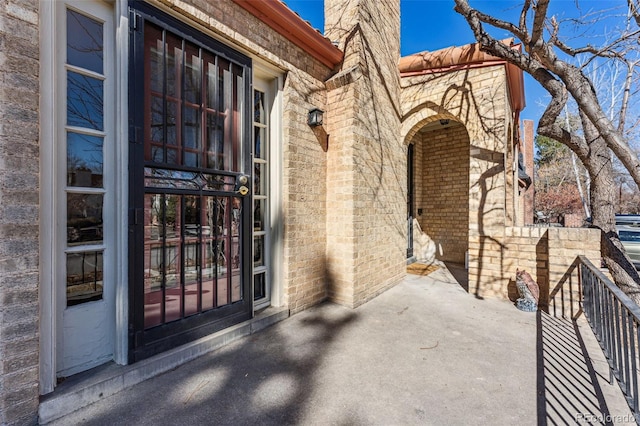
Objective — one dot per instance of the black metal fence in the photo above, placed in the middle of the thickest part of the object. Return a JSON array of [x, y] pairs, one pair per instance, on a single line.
[[615, 321]]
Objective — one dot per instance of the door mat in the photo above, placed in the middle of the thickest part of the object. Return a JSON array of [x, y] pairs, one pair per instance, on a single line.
[[421, 269]]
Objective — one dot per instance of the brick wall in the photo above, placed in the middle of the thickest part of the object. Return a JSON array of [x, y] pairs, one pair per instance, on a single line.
[[19, 183], [366, 180], [477, 99], [546, 253], [443, 184]]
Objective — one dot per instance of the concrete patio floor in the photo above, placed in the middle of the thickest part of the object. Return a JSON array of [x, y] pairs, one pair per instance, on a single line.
[[424, 352]]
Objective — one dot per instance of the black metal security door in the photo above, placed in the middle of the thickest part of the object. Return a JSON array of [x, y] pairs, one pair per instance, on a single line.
[[190, 216]]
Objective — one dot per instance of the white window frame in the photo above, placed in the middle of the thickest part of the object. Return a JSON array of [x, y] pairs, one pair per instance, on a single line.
[[52, 208], [271, 82]]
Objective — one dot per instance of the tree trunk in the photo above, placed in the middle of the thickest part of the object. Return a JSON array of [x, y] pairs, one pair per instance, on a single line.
[[600, 169]]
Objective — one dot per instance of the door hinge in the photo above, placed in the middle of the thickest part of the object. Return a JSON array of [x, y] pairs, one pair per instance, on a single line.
[[134, 134], [133, 20], [136, 216]]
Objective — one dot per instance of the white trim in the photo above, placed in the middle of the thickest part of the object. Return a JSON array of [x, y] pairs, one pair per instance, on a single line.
[[47, 185], [277, 210], [273, 82], [121, 184], [53, 180]]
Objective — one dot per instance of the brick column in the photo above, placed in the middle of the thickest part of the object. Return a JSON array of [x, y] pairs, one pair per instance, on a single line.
[[19, 209], [366, 158]]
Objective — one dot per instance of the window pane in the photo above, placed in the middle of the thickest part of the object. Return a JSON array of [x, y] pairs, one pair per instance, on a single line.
[[213, 101], [258, 215], [153, 260], [172, 119], [214, 142], [156, 68], [193, 79], [258, 251], [84, 277], [84, 42], [157, 122], [174, 65], [258, 107], [172, 259], [259, 142], [259, 286], [85, 98], [84, 160], [84, 219]]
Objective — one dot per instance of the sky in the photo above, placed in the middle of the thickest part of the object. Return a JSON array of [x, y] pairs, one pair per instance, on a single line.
[[433, 25]]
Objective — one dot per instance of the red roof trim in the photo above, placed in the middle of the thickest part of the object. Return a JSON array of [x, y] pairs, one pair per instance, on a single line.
[[465, 57], [286, 22]]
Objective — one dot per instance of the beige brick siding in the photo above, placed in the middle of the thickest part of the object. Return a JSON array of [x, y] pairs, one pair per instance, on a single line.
[[443, 185], [304, 196], [19, 211], [546, 253], [477, 99], [366, 181]]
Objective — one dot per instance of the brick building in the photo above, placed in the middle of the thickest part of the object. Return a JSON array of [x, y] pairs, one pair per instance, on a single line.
[[160, 181]]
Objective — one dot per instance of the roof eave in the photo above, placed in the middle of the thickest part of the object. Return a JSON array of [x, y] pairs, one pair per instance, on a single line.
[[283, 20]]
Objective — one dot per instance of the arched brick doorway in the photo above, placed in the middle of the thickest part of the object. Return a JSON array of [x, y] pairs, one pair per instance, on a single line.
[[439, 186]]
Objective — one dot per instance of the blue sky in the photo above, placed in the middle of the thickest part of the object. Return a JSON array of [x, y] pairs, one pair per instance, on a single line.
[[433, 24]]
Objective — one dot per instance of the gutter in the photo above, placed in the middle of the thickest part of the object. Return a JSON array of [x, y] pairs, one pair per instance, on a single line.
[[466, 57], [283, 20]]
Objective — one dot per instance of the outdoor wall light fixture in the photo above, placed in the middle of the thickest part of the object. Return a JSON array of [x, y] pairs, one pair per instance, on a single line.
[[444, 122], [315, 117]]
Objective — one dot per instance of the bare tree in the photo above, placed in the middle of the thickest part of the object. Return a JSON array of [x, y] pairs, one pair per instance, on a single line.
[[543, 57]]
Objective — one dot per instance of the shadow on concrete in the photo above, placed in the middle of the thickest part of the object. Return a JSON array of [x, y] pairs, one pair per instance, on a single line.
[[568, 390], [264, 379], [459, 273]]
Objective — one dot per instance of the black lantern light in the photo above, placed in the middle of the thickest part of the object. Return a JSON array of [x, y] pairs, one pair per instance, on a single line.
[[315, 117]]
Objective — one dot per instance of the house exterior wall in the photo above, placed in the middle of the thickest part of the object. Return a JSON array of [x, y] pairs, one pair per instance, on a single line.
[[443, 185], [366, 170], [342, 187], [545, 253], [478, 99], [19, 211]]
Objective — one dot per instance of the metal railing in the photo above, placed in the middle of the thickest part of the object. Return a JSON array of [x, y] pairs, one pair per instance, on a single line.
[[615, 321]]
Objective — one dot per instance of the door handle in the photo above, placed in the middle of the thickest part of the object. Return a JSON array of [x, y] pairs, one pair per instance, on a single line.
[[242, 185]]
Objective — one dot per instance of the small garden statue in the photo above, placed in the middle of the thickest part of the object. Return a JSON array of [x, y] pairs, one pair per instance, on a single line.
[[528, 290]]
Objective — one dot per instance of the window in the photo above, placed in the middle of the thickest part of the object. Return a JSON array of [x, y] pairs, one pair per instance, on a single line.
[[260, 195], [85, 133]]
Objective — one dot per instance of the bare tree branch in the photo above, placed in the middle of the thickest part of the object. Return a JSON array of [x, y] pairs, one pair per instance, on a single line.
[[538, 22]]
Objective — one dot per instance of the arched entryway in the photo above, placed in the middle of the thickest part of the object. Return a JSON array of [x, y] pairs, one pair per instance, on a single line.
[[439, 186]]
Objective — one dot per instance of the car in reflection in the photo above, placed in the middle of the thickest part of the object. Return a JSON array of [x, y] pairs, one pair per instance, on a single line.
[[628, 227]]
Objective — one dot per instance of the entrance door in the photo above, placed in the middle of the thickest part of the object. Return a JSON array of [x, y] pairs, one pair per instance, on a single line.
[[190, 196], [410, 190], [84, 180]]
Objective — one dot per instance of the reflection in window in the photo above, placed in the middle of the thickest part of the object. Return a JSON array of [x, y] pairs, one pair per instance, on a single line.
[[84, 101], [191, 255], [193, 104], [84, 219], [84, 42], [84, 277], [85, 158], [261, 197]]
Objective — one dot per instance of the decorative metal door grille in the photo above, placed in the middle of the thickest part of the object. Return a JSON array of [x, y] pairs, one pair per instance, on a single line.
[[191, 228]]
